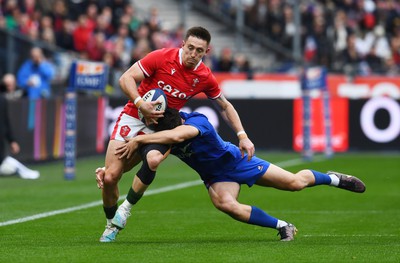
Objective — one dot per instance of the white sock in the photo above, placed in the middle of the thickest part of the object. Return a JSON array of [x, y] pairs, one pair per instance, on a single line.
[[281, 224], [127, 205], [109, 222], [334, 180]]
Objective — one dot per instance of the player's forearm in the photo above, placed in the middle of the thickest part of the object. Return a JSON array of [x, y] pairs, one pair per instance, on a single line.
[[128, 86], [229, 114], [231, 117], [162, 137]]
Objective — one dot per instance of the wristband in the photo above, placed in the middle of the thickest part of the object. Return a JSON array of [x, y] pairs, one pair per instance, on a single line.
[[240, 132], [241, 135], [138, 101]]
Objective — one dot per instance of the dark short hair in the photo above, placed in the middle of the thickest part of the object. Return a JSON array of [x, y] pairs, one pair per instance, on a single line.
[[199, 32], [171, 119]]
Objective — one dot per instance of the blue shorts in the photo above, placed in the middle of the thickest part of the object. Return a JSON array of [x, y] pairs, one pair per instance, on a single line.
[[245, 172]]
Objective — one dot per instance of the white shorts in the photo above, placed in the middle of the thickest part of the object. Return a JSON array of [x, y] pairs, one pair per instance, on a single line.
[[128, 127]]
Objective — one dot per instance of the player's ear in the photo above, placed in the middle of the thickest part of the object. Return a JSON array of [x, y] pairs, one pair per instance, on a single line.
[[183, 43], [208, 50]]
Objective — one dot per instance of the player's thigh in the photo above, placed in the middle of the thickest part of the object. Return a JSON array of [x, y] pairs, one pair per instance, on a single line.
[[114, 165], [223, 192], [277, 177]]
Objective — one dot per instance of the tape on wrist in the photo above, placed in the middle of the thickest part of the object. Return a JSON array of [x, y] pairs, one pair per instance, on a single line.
[[241, 135], [240, 132], [138, 101]]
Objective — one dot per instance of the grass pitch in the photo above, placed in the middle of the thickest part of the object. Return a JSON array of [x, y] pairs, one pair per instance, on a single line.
[[181, 225]]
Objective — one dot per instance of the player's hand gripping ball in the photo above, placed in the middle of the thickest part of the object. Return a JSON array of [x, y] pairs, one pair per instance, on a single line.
[[154, 95]]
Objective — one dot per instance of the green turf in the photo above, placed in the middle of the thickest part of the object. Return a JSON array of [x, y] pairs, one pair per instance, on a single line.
[[183, 226]]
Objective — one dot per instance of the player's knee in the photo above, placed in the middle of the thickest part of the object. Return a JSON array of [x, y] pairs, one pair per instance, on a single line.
[[154, 158], [295, 186], [227, 206], [111, 177], [297, 183]]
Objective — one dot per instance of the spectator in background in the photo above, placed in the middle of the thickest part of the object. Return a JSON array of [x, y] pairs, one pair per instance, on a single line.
[[122, 58], [211, 60], [289, 27], [177, 35], [391, 68], [64, 38], [8, 164], [153, 21], [242, 64], [47, 33], [35, 75], [118, 9], [257, 16], [9, 87], [123, 36], [340, 32], [2, 22], [317, 45], [28, 7], [75, 8], [58, 15], [96, 46], [395, 49], [143, 32], [26, 25], [11, 14], [82, 34], [141, 49], [134, 21], [379, 49], [225, 61], [275, 20], [350, 59], [104, 22], [91, 15], [392, 18]]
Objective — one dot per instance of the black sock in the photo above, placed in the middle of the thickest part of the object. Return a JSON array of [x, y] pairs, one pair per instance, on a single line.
[[110, 211], [133, 197]]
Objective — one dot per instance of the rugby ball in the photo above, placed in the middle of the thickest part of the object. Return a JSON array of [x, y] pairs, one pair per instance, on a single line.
[[154, 95]]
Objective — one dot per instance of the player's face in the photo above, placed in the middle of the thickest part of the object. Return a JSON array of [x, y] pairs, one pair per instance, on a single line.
[[194, 50]]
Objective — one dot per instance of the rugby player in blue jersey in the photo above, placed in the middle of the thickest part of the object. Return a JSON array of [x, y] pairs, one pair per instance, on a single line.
[[224, 168]]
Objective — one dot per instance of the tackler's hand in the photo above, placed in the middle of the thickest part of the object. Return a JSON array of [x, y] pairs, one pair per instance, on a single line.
[[245, 145], [127, 149], [100, 173]]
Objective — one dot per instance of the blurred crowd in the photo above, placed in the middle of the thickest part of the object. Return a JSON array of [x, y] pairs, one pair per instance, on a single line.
[[104, 30], [347, 36], [358, 37], [111, 31]]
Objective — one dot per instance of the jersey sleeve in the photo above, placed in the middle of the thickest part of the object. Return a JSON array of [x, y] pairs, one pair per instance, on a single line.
[[201, 123], [151, 62], [213, 90]]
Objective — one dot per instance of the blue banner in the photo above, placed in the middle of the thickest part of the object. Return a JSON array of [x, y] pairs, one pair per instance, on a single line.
[[314, 78], [87, 75]]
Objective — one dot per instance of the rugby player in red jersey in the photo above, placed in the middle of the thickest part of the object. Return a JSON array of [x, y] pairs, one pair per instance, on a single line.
[[181, 74]]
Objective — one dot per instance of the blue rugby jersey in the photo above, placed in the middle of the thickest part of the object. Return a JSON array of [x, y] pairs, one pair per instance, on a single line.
[[209, 155]]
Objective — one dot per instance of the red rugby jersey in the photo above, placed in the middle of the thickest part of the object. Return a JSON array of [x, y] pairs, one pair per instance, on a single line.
[[163, 69]]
